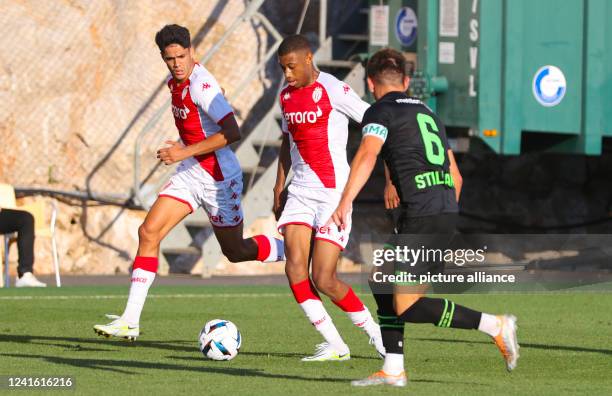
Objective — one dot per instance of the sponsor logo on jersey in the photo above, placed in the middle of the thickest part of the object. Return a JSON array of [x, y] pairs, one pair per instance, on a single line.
[[434, 178], [180, 113], [409, 101], [375, 130], [316, 94], [302, 117], [412, 101], [216, 219]]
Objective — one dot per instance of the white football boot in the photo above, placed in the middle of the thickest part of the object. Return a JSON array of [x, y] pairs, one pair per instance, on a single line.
[[382, 378], [118, 328], [326, 353], [507, 341]]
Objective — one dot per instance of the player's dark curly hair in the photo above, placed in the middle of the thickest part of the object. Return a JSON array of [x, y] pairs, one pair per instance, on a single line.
[[293, 43], [387, 66], [173, 34]]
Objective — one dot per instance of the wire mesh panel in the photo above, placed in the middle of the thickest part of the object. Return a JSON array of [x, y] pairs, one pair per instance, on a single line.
[[83, 79]]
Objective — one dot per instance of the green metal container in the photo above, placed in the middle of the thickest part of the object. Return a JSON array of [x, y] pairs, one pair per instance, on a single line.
[[518, 71]]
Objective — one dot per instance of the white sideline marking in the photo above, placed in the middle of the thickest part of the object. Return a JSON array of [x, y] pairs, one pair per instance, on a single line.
[[125, 296]]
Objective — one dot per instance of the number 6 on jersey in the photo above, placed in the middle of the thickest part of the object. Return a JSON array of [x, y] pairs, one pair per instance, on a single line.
[[431, 139]]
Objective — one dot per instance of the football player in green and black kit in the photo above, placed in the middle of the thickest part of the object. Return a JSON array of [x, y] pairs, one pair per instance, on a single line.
[[422, 168]]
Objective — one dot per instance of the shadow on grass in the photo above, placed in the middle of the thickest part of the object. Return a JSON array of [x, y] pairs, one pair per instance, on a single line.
[[172, 345], [128, 366], [328, 366], [124, 366], [549, 347], [301, 355], [75, 343], [278, 355]]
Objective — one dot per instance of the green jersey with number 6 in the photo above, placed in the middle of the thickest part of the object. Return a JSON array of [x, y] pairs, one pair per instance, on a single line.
[[415, 150]]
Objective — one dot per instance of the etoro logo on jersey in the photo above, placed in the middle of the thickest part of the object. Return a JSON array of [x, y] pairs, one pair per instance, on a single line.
[[180, 113], [302, 117]]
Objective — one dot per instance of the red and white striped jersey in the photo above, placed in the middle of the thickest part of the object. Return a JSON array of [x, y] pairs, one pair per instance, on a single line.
[[316, 119], [198, 106]]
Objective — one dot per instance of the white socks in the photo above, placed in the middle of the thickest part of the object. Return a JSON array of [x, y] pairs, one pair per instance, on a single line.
[[277, 250], [143, 275], [363, 319], [306, 295], [489, 324], [269, 249], [316, 313], [394, 363]]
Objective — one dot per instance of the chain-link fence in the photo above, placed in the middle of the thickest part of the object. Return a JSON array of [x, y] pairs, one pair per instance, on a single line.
[[84, 78]]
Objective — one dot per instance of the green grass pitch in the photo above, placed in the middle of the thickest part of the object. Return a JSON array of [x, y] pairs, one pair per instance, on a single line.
[[565, 341]]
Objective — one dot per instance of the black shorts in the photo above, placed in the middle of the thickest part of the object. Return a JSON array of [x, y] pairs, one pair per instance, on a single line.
[[443, 224], [425, 239]]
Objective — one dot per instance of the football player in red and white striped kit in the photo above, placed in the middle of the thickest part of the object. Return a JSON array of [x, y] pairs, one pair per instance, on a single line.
[[208, 176], [316, 107]]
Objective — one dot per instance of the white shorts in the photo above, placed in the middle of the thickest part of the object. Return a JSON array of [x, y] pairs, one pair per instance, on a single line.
[[312, 207], [193, 186]]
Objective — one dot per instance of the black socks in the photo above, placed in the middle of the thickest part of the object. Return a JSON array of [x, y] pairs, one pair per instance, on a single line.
[[442, 313], [391, 327]]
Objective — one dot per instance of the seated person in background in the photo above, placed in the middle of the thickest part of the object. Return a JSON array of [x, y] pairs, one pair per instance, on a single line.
[[22, 223]]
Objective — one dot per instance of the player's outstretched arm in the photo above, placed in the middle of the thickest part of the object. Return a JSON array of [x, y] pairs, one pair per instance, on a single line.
[[229, 133], [361, 169], [455, 174], [284, 164]]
